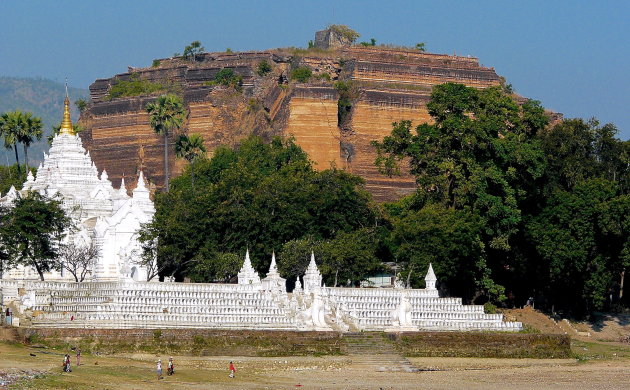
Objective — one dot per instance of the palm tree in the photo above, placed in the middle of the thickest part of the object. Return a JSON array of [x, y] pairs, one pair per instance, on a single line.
[[10, 123], [166, 114], [190, 149], [30, 130]]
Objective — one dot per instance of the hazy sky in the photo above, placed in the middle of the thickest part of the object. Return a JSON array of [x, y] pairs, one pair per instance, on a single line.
[[574, 56]]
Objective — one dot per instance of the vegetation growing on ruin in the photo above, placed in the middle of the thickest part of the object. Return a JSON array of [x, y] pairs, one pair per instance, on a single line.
[[347, 93], [345, 31], [263, 68], [135, 86], [301, 74], [191, 51], [371, 43], [227, 77]]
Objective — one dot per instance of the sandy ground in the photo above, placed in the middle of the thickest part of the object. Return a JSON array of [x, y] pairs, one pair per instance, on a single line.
[[347, 372]]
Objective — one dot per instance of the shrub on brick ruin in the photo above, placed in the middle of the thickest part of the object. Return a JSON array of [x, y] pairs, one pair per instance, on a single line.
[[301, 74]]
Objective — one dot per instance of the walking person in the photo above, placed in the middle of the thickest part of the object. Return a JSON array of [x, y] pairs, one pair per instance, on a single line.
[[171, 367], [232, 370], [68, 363], [78, 357], [159, 369]]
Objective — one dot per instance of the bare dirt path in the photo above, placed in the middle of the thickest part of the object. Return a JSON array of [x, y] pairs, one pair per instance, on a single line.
[[136, 371]]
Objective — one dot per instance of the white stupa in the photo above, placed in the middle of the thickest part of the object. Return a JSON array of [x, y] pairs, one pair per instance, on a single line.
[[100, 213]]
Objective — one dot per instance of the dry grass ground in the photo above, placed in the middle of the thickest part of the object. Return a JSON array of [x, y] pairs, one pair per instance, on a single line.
[[597, 366]]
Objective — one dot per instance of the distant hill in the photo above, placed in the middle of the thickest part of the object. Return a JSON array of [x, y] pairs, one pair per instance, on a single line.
[[43, 98]]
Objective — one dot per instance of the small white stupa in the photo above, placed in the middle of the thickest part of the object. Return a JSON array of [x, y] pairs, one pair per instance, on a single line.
[[273, 281], [247, 274], [312, 277]]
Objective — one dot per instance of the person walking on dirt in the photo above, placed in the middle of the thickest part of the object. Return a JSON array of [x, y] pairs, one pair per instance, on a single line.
[[171, 367], [66, 363], [232, 370], [78, 357], [159, 369]]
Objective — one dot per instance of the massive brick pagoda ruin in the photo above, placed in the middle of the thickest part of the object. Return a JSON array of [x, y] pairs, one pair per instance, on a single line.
[[387, 85]]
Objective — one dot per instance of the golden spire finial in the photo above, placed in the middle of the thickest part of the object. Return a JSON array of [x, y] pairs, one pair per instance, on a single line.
[[66, 123]]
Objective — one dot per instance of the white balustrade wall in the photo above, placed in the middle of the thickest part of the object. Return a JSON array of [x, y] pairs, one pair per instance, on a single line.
[[126, 304]]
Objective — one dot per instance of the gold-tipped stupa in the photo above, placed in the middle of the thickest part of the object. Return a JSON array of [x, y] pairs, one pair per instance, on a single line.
[[66, 123]]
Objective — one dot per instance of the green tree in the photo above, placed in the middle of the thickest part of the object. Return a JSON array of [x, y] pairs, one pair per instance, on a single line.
[[295, 255], [346, 32], [481, 156], [257, 195], [351, 256], [166, 115], [567, 235], [190, 149], [228, 78], [371, 43], [301, 74], [215, 267], [478, 155], [263, 68], [30, 131], [81, 104], [191, 51], [32, 231], [11, 127], [421, 46]]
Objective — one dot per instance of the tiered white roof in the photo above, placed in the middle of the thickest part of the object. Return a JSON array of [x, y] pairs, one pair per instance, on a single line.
[[69, 170]]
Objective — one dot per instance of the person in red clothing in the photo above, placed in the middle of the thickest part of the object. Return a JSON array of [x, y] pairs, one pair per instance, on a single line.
[[232, 370]]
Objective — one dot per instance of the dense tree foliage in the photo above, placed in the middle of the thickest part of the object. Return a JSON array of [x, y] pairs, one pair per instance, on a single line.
[[258, 196], [504, 200]]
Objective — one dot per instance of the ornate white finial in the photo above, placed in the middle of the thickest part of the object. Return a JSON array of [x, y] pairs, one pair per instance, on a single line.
[[430, 279], [312, 266], [123, 188], [141, 185], [29, 177], [104, 175], [273, 269]]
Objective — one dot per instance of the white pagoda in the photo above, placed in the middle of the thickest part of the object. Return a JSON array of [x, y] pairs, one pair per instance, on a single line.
[[110, 218]]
